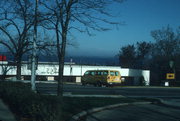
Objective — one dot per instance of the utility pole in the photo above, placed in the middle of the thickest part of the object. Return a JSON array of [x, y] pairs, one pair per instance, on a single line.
[[34, 54]]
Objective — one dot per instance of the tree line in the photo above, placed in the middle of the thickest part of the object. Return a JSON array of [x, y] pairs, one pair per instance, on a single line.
[[155, 56]]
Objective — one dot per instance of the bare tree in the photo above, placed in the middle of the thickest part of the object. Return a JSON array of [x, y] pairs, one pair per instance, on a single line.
[[5, 68], [144, 50], [165, 50], [135, 56], [127, 56], [15, 27], [167, 42], [81, 15]]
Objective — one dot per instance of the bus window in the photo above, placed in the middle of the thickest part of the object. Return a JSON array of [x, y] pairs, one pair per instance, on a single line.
[[105, 73], [87, 73], [92, 73], [117, 73], [99, 73], [112, 73]]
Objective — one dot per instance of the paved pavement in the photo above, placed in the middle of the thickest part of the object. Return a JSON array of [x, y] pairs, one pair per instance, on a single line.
[[167, 110], [5, 113], [149, 112], [155, 92]]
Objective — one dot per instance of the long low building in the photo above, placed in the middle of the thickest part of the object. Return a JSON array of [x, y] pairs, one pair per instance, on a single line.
[[49, 71]]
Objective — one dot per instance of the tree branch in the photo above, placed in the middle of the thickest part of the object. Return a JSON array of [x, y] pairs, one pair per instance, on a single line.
[[10, 38]]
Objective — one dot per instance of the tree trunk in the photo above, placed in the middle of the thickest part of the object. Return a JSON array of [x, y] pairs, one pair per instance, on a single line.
[[61, 65], [61, 55], [18, 71], [60, 78]]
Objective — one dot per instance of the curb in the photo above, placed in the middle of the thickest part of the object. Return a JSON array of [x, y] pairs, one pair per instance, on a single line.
[[82, 114], [168, 103], [99, 96], [45, 82]]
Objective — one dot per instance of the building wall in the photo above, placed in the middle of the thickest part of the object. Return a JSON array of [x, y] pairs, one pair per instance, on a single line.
[[51, 70]]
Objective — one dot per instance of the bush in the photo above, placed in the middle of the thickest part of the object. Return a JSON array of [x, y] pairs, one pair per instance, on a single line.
[[27, 105], [142, 82]]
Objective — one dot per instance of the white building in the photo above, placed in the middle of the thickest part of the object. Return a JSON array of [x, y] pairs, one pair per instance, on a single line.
[[49, 71]]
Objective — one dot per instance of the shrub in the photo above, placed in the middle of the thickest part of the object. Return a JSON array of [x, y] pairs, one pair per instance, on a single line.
[[142, 81], [27, 105]]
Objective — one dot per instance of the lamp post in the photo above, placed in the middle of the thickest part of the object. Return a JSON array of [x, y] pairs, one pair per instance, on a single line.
[[34, 55], [171, 64]]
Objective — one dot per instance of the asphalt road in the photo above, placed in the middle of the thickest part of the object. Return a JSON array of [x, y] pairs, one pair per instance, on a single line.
[[124, 91], [148, 112]]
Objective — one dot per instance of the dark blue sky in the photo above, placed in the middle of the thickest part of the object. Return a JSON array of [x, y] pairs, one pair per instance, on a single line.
[[140, 17]]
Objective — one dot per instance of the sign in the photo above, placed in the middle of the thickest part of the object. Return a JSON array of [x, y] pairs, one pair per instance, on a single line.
[[166, 84], [170, 76], [2, 58]]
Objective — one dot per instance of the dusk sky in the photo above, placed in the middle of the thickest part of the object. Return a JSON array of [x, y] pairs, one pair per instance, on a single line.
[[140, 17]]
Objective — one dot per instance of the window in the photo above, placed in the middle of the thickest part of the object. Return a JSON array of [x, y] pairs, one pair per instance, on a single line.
[[117, 73], [92, 73], [87, 73], [105, 73], [99, 73], [112, 73]]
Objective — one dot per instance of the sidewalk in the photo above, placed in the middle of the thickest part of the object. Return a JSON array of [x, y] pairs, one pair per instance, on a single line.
[[5, 113]]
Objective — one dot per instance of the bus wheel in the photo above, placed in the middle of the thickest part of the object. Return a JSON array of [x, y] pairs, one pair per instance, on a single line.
[[107, 85]]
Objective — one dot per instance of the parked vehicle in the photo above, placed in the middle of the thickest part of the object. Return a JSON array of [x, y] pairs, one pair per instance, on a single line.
[[101, 77]]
